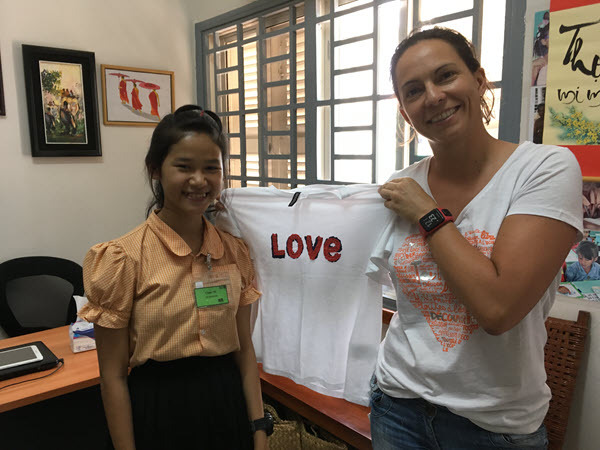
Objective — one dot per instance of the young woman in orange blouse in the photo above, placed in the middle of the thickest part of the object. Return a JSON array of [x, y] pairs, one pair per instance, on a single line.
[[170, 300]]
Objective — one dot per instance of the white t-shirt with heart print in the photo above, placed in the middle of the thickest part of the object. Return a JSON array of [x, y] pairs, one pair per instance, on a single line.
[[434, 348]]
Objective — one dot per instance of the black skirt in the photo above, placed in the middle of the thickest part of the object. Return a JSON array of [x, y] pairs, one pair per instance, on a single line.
[[195, 402]]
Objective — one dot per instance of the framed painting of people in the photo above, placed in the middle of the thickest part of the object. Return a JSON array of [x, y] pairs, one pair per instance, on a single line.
[[138, 97], [2, 105], [62, 105]]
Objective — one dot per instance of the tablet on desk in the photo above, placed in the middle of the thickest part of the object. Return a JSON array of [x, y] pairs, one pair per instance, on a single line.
[[26, 358], [19, 356]]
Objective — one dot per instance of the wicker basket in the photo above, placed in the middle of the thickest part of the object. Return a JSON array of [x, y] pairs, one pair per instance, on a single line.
[[563, 351], [286, 433], [293, 435], [321, 440]]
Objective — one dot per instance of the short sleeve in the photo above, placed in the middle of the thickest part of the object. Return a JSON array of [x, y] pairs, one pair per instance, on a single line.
[[109, 281], [553, 189], [249, 292], [225, 219], [378, 268]]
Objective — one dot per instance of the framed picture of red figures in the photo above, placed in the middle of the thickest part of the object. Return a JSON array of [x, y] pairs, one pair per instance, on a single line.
[[136, 97]]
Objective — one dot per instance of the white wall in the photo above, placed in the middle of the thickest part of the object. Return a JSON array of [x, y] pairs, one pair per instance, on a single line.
[[201, 10], [61, 206]]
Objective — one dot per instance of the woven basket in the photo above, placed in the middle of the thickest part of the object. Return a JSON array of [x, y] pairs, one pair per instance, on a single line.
[[313, 440], [286, 433], [293, 435]]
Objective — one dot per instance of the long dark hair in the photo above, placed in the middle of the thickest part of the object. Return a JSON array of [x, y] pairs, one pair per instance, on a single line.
[[171, 129], [463, 47]]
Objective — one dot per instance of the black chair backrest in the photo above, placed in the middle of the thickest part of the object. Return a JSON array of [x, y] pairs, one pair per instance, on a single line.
[[36, 293]]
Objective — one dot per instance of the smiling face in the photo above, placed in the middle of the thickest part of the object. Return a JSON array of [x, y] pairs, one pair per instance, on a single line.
[[439, 96], [191, 177]]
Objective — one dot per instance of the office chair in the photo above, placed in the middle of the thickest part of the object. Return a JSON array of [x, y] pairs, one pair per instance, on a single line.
[[36, 293]]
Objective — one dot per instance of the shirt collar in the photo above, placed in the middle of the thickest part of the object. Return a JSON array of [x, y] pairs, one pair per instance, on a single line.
[[212, 241]]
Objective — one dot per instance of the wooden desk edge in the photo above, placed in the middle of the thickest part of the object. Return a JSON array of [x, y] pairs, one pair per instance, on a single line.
[[345, 426], [48, 394], [32, 390]]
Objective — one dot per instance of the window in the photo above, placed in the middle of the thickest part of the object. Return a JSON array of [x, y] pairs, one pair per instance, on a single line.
[[289, 128]]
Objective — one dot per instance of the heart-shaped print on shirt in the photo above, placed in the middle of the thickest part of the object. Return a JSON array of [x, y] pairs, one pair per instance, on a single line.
[[421, 282]]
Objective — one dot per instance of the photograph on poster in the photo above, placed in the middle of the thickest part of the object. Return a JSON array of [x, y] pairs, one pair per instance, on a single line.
[[539, 63], [539, 67], [591, 205], [581, 271], [538, 93]]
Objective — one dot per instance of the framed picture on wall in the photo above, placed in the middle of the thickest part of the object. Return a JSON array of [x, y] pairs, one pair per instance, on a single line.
[[62, 105], [2, 105], [136, 97]]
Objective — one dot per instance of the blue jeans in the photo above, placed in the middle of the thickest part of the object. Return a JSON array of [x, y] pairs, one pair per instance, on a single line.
[[399, 423]]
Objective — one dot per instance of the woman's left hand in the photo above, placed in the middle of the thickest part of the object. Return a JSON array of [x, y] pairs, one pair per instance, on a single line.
[[406, 198]]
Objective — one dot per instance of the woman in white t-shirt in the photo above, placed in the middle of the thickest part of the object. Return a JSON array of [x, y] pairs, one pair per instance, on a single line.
[[485, 227]]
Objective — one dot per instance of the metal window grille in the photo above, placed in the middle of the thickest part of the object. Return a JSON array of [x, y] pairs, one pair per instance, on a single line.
[[296, 113]]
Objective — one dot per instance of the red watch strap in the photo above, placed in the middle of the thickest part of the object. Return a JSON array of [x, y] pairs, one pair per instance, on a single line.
[[447, 217]]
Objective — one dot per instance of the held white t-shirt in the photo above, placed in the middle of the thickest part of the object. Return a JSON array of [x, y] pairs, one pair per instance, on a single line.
[[319, 319], [434, 348]]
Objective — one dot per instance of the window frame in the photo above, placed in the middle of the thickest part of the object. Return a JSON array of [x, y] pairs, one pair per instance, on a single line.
[[236, 18], [509, 115]]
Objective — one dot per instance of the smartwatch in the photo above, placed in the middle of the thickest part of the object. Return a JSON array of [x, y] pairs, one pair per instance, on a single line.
[[434, 220], [265, 423]]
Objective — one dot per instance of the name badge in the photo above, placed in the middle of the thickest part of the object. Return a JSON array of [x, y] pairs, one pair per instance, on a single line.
[[211, 296]]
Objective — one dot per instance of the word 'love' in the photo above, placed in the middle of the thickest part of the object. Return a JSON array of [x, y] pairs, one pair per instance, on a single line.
[[294, 246]]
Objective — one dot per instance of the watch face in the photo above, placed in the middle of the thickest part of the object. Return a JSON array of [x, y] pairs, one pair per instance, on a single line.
[[431, 220]]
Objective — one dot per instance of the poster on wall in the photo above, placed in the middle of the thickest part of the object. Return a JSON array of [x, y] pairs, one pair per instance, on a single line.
[[539, 71], [572, 101], [581, 271]]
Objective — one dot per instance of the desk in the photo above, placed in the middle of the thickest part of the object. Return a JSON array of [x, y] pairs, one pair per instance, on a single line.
[[79, 371], [345, 420], [585, 287]]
